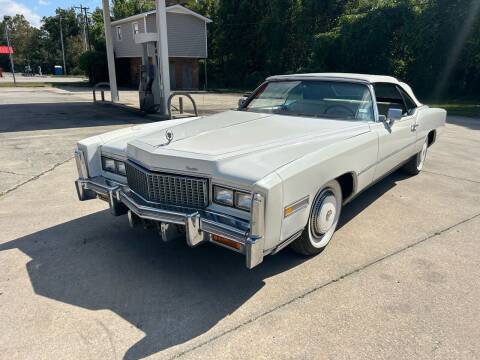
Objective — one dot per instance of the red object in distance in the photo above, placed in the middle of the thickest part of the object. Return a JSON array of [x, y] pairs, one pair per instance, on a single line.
[[6, 50]]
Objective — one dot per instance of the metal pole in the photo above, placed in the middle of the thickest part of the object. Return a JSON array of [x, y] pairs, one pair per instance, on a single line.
[[162, 48], [206, 77], [10, 49], [63, 48], [110, 54]]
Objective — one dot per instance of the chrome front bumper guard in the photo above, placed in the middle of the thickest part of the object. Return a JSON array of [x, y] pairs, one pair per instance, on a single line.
[[199, 224]]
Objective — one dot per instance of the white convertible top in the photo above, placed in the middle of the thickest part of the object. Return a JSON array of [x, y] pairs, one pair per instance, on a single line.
[[371, 79]]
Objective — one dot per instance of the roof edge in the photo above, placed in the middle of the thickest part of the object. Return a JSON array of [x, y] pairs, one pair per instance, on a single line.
[[178, 9]]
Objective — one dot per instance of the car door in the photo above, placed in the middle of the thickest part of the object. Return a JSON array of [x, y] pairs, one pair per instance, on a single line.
[[396, 142]]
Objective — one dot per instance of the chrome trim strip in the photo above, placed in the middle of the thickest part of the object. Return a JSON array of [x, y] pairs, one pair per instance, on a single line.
[[255, 244], [150, 213], [297, 205], [224, 230], [81, 164], [286, 242], [257, 218]]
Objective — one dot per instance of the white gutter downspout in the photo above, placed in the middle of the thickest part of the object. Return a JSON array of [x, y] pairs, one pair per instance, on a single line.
[[162, 48], [110, 55]]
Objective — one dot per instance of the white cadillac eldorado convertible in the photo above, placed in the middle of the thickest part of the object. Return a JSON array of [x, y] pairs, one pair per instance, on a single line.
[[274, 172]]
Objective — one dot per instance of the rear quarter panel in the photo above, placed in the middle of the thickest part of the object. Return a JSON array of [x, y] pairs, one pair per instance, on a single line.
[[429, 119]]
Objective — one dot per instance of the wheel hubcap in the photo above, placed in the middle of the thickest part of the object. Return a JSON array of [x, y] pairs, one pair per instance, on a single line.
[[324, 214]]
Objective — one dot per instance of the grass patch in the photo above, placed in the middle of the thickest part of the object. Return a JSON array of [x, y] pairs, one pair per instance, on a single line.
[[24, 84], [470, 108], [34, 84]]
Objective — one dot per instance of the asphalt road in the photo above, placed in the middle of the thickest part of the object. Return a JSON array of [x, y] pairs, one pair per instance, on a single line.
[[400, 279]]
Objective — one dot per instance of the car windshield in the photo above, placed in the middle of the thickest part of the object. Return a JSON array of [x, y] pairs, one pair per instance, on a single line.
[[314, 98]]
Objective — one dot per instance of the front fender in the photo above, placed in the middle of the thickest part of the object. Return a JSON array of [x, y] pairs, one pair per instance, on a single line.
[[306, 176]]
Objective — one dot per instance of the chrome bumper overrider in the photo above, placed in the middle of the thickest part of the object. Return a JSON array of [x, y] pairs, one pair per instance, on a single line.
[[199, 224]]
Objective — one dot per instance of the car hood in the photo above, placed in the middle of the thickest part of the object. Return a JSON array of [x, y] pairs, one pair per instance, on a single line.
[[235, 146]]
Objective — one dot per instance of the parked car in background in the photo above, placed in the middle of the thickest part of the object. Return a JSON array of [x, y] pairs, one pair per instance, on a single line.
[[274, 172]]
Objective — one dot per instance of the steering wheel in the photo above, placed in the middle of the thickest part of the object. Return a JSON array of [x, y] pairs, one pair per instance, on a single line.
[[342, 108], [286, 106]]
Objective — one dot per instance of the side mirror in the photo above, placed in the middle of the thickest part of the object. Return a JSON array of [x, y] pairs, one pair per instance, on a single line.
[[243, 100], [394, 115]]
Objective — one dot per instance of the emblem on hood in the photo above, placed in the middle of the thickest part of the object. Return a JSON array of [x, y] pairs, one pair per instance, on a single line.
[[168, 136]]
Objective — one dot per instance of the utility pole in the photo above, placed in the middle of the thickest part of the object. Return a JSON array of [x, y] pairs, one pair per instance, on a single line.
[[109, 46], [84, 18], [6, 19], [88, 29], [63, 48], [162, 50]]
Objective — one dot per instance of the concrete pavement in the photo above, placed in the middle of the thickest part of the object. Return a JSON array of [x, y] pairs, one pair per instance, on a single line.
[[399, 280]]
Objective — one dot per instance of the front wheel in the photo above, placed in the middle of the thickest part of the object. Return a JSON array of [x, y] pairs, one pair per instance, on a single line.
[[322, 221], [415, 164]]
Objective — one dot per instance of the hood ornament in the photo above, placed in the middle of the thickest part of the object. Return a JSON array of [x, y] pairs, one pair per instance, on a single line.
[[168, 137]]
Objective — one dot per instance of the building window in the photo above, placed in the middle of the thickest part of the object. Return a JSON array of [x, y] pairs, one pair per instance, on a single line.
[[135, 28], [119, 33]]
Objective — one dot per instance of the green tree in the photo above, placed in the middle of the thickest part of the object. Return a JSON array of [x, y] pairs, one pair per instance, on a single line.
[[124, 8], [72, 37], [26, 40]]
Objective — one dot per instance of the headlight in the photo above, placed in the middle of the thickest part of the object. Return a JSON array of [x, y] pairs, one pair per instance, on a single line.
[[234, 198], [223, 196], [113, 166], [243, 200], [121, 168]]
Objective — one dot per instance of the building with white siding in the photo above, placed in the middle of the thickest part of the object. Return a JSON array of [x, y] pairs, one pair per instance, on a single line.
[[187, 44]]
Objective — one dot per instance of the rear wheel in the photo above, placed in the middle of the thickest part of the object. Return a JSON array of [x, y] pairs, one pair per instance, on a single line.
[[415, 164], [322, 221]]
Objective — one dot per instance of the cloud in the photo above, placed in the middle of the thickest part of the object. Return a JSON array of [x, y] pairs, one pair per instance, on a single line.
[[43, 2], [12, 7]]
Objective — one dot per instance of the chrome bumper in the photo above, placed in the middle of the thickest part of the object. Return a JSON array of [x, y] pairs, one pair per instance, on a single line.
[[199, 224]]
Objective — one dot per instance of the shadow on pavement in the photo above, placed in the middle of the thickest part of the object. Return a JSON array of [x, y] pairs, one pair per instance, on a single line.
[[171, 292], [45, 116]]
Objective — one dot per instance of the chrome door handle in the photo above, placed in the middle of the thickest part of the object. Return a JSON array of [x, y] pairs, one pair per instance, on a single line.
[[414, 127]]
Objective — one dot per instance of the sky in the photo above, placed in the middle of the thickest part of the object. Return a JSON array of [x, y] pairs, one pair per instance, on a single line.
[[34, 10]]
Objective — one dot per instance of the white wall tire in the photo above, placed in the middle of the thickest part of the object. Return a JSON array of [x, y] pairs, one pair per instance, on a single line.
[[422, 156], [322, 222], [415, 165]]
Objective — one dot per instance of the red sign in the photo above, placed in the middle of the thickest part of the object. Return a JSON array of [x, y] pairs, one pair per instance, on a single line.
[[6, 50]]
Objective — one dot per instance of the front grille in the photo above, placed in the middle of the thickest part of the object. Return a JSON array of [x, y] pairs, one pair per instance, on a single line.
[[169, 189]]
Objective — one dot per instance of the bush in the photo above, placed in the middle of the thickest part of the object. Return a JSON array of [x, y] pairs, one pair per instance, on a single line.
[[94, 64]]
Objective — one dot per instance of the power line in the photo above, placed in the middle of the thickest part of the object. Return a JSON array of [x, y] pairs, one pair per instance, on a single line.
[[86, 30]]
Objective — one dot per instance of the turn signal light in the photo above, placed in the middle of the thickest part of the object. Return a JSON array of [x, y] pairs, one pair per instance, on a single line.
[[226, 242], [287, 211]]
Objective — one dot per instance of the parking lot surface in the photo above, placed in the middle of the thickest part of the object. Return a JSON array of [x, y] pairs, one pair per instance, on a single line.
[[400, 279]]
